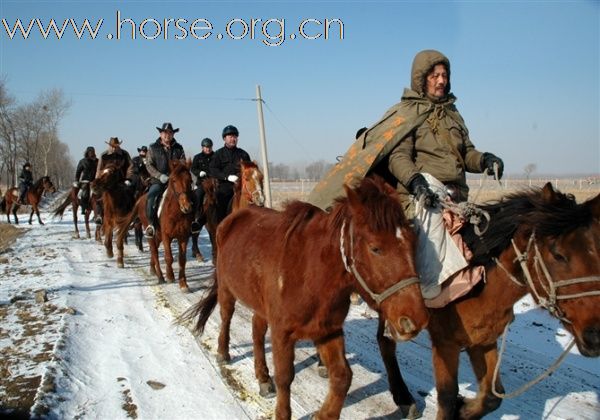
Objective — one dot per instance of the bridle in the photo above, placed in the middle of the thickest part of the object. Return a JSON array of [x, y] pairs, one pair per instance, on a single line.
[[550, 303], [254, 196], [351, 268], [550, 287]]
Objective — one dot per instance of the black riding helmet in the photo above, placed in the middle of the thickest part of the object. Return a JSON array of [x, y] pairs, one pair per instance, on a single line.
[[206, 142], [230, 129]]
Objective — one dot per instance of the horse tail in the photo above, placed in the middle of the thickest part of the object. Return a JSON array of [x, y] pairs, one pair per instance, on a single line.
[[203, 309], [61, 209], [3, 204], [123, 223]]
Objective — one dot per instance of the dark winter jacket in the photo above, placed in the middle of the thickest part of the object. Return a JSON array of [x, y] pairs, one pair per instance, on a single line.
[[158, 157], [201, 163], [118, 156], [26, 177], [86, 169], [226, 162]]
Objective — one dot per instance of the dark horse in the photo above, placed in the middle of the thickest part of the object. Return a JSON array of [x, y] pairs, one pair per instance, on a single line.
[[247, 190], [541, 234], [33, 197], [72, 199], [118, 200], [301, 287], [174, 221]]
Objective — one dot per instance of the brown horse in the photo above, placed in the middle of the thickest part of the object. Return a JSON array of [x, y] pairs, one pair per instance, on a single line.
[[118, 200], [247, 190], [72, 199], [542, 235], [301, 286], [208, 217], [33, 196], [175, 222]]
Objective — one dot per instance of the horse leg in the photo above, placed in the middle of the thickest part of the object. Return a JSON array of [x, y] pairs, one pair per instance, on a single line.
[[168, 259], [261, 371], [120, 262], [76, 234], [37, 213], [139, 234], [195, 250], [445, 368], [154, 262], [14, 212], [283, 360], [108, 233], [227, 306], [182, 258], [400, 393], [86, 219], [483, 360], [31, 215]]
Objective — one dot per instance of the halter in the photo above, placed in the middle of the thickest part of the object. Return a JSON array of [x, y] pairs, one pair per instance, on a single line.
[[550, 303], [377, 297], [550, 287], [254, 195]]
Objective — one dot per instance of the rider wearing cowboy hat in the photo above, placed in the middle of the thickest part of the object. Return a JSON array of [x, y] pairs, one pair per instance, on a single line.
[[114, 154], [164, 149]]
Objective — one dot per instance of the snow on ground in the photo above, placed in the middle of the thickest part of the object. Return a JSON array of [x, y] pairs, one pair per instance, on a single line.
[[114, 351]]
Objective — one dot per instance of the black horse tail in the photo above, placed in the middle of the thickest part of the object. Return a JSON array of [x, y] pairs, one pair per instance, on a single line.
[[203, 309], [123, 223], [61, 209]]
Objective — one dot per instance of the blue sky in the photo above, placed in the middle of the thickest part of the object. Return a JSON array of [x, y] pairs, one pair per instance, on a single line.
[[526, 74]]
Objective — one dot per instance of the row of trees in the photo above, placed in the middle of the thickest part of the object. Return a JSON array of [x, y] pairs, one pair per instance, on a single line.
[[313, 171], [29, 133]]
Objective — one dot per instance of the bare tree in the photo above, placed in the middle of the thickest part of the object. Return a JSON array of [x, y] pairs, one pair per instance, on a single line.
[[529, 169], [8, 136], [316, 170]]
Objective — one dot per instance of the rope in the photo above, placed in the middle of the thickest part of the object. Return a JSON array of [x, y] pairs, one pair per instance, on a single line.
[[534, 381]]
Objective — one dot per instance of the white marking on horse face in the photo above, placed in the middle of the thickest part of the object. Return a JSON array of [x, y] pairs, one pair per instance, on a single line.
[[259, 191], [105, 171], [399, 233], [280, 283]]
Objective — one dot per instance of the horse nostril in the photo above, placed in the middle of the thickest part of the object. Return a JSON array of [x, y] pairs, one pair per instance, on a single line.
[[591, 337]]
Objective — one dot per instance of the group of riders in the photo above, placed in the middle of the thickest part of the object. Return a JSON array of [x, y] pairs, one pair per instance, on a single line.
[[149, 171], [421, 145]]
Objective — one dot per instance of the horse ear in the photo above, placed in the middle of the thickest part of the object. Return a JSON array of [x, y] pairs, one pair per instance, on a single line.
[[548, 193], [594, 205], [354, 201]]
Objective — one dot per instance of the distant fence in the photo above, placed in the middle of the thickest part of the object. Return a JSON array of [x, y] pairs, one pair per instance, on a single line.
[[582, 188]]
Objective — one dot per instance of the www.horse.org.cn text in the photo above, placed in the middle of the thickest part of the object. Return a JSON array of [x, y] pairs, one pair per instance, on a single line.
[[271, 32]]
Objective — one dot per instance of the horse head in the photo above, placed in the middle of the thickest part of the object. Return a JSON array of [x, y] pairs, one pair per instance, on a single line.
[[251, 183], [48, 185], [551, 248], [180, 183], [377, 245], [109, 178]]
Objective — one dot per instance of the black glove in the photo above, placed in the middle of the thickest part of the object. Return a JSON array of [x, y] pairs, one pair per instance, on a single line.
[[420, 189], [487, 164]]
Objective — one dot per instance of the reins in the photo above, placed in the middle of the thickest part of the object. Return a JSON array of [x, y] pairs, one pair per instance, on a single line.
[[377, 297]]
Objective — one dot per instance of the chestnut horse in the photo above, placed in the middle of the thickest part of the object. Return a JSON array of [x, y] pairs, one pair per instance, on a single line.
[[296, 269], [33, 196], [175, 222], [118, 200], [248, 189], [72, 199], [542, 235]]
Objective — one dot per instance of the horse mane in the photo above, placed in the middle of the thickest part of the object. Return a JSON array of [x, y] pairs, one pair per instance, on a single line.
[[379, 201], [39, 182], [545, 211]]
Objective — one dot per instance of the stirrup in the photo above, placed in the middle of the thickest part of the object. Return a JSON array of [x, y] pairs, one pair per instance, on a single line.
[[149, 232], [196, 227]]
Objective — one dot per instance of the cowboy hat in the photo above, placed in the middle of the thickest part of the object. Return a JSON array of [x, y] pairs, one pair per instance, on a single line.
[[143, 148], [114, 141], [167, 127]]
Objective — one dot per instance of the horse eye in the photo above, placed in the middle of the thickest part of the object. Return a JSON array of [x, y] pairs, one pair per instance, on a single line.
[[557, 255], [375, 250]]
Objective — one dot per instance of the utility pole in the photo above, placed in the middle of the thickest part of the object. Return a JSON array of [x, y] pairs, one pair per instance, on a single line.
[[263, 147]]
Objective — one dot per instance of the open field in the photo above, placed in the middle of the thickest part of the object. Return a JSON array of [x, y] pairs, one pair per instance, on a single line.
[[481, 191]]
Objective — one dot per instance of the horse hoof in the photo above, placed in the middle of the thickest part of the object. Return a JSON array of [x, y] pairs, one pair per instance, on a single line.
[[75, 236], [120, 265], [410, 411], [199, 258], [267, 389], [322, 370], [223, 360], [170, 279], [161, 280], [185, 289]]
